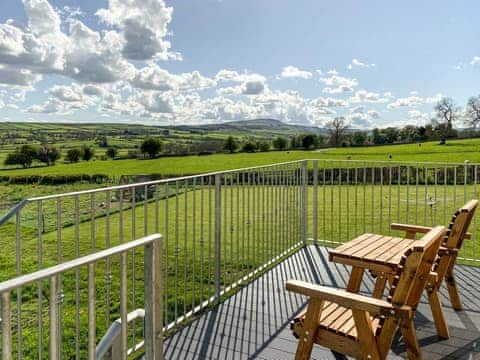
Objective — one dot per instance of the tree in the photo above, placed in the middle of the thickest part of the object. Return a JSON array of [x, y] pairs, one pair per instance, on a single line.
[[472, 112], [263, 146], [87, 152], [280, 143], [102, 141], [23, 156], [73, 155], [336, 129], [309, 141], [377, 137], [151, 146], [231, 145], [249, 147], [359, 138], [48, 154], [111, 152], [446, 112]]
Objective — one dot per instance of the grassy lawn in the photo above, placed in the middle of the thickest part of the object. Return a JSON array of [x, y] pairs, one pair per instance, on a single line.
[[454, 151]]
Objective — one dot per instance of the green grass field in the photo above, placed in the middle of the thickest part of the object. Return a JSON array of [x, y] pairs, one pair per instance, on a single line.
[[454, 151]]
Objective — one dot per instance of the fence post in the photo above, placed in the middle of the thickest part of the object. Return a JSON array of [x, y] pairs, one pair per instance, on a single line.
[[315, 201], [153, 301], [218, 234], [304, 200], [54, 317]]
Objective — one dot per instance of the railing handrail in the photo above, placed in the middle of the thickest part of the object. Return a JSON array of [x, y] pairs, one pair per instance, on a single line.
[[467, 163], [154, 182], [12, 284]]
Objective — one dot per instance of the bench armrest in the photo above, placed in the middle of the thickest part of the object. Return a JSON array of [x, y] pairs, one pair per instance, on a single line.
[[419, 229], [350, 300], [410, 228]]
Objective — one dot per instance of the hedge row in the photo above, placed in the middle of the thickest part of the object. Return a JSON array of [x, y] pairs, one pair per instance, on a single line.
[[54, 179]]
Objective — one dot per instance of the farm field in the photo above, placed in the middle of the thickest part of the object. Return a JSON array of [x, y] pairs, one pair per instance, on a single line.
[[453, 151]]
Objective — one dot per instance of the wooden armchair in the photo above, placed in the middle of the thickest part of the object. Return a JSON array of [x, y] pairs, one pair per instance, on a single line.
[[445, 262], [363, 326]]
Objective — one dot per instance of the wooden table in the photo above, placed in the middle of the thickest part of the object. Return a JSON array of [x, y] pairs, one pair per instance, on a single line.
[[379, 253]]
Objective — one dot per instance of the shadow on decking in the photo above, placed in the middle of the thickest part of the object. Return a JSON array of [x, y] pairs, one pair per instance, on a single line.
[[254, 323]]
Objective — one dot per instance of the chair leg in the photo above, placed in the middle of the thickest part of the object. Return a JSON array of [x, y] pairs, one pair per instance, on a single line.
[[453, 291], [437, 312], [411, 341], [310, 326]]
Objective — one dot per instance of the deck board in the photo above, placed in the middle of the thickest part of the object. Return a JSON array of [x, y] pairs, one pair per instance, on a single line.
[[254, 323]]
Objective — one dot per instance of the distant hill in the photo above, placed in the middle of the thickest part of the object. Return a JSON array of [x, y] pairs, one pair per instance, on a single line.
[[255, 125]]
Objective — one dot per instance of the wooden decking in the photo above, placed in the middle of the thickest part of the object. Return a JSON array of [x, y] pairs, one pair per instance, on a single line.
[[254, 323]]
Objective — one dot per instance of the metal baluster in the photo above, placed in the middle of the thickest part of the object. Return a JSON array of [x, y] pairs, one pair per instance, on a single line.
[[390, 196], [202, 236], [59, 287], [348, 200], [108, 262], [92, 328], [356, 200], [55, 319], [194, 237], [239, 268], [373, 199], [339, 202], [123, 306], [416, 194], [324, 201], [232, 229], [399, 185], [166, 237], [177, 249], [185, 244], [445, 173], [364, 197], [435, 198], [454, 188], [210, 232], [474, 232], [381, 200], [331, 202], [6, 322], [18, 251], [315, 202], [77, 276], [408, 196], [425, 180], [41, 227], [218, 235], [134, 266]]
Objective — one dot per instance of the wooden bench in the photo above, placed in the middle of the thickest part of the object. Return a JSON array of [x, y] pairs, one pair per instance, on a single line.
[[363, 326]]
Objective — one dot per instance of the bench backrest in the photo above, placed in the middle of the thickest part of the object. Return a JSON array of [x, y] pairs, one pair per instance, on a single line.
[[410, 280], [459, 225]]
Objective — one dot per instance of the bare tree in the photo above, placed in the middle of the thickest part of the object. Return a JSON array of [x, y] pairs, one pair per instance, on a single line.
[[446, 113], [472, 112], [336, 129]]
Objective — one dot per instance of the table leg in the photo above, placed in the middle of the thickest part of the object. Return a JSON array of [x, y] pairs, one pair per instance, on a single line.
[[355, 280], [380, 283]]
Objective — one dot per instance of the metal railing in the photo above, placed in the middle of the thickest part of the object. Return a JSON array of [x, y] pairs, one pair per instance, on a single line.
[[347, 198], [221, 229], [56, 276]]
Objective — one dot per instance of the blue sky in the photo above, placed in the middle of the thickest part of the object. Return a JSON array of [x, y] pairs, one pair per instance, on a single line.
[[195, 61]]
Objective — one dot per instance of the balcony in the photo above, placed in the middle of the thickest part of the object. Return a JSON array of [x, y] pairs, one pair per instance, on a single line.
[[229, 242]]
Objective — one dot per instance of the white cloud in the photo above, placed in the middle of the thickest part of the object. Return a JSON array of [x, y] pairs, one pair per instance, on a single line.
[[372, 97], [328, 102], [143, 25], [227, 75], [434, 99], [17, 77], [336, 84], [67, 93], [360, 64], [417, 116], [475, 60], [292, 72], [49, 107], [409, 101], [254, 85]]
